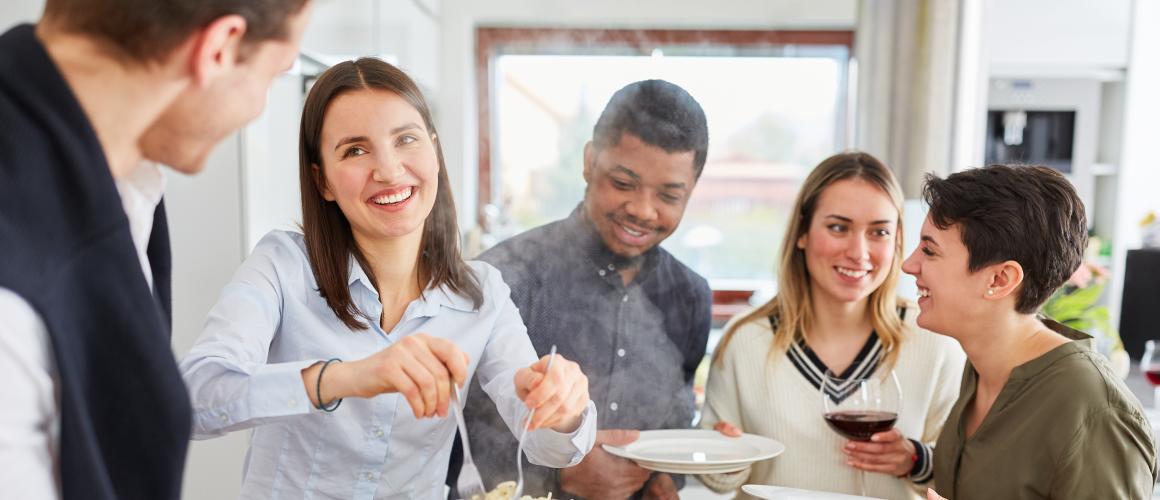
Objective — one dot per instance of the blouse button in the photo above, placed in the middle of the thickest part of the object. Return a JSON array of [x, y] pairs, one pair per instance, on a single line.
[[600, 272], [614, 406]]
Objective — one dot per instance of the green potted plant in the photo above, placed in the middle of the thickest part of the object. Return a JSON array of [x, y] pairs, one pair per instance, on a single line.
[[1076, 305]]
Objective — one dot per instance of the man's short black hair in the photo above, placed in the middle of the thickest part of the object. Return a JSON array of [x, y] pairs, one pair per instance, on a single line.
[[661, 114]]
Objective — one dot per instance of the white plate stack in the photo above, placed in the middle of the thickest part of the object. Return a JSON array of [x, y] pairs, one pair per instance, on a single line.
[[696, 451]]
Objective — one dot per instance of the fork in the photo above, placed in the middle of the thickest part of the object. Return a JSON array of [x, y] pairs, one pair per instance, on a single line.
[[470, 484], [519, 489]]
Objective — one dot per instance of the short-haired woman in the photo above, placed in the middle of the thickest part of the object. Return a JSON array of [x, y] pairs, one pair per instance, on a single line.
[[1039, 414]]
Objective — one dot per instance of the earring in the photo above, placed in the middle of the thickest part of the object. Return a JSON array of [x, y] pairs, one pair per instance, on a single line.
[[990, 291]]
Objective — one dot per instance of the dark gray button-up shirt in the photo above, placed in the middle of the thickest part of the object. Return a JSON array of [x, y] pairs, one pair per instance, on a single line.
[[639, 344]]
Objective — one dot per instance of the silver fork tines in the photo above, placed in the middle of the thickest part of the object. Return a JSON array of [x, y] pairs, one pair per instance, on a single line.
[[519, 490], [470, 484]]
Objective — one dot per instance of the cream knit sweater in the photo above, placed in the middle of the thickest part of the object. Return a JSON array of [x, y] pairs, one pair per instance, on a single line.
[[768, 396]]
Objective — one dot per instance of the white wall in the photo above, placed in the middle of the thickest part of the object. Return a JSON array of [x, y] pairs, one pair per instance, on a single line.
[[1138, 173], [269, 146], [1047, 35], [205, 230], [456, 106], [19, 11], [405, 29]]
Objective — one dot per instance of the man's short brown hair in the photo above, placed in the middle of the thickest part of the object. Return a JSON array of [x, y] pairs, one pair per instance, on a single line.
[[148, 30], [1028, 214]]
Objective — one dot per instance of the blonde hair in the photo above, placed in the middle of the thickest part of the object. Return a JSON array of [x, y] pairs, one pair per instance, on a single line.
[[792, 305]]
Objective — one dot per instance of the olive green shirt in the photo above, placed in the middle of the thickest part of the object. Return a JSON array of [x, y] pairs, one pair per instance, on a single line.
[[1063, 427]]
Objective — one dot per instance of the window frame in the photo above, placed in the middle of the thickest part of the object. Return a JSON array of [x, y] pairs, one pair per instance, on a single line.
[[491, 42]]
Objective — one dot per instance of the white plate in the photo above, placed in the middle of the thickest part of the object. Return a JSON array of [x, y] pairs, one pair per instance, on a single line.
[[692, 469], [783, 493], [696, 451]]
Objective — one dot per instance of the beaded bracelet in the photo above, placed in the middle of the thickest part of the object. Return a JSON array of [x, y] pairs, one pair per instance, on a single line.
[[318, 388]]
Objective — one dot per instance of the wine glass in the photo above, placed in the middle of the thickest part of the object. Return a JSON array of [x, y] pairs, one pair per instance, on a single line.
[[860, 406], [1150, 365]]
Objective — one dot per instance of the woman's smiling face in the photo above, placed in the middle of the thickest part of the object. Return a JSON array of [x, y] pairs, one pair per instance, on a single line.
[[850, 244], [379, 163], [949, 294]]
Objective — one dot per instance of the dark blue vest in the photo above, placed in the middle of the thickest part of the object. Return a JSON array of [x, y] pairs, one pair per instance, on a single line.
[[65, 247]]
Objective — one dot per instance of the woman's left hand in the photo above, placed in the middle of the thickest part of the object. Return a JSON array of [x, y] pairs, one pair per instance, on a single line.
[[558, 397], [887, 452]]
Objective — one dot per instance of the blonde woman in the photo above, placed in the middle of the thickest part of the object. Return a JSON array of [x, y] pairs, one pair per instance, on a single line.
[[835, 309]]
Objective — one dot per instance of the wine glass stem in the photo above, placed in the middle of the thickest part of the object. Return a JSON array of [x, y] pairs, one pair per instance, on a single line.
[[1156, 397], [861, 482]]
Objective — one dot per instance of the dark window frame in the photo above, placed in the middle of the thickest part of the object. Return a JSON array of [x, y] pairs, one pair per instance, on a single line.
[[491, 42]]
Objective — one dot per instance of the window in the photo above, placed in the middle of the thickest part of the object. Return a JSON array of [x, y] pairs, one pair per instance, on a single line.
[[776, 104]]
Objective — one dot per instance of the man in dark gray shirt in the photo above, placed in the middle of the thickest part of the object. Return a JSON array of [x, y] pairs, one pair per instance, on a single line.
[[599, 287]]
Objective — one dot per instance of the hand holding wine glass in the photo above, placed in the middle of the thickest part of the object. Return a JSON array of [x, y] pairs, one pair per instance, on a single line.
[[860, 407], [887, 452]]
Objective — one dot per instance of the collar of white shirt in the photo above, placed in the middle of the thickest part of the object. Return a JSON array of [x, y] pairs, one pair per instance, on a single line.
[[433, 297], [141, 191]]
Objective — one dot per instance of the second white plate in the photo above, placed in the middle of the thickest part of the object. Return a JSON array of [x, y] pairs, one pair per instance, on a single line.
[[783, 493]]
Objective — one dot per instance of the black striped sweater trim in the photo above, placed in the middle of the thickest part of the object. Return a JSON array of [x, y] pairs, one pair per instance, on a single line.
[[923, 470], [865, 363], [810, 366]]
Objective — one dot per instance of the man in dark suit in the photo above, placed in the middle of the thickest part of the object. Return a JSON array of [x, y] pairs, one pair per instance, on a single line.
[[94, 405]]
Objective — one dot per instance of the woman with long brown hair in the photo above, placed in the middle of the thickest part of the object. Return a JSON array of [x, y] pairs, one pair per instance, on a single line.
[[335, 313], [835, 310]]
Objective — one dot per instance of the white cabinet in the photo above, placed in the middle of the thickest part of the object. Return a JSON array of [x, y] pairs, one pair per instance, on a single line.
[[1030, 38]]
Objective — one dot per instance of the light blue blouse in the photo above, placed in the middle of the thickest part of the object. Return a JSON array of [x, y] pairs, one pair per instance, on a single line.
[[270, 323]]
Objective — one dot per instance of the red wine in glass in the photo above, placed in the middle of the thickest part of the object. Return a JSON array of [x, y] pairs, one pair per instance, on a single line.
[[871, 405], [859, 425], [1150, 365], [1153, 376]]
